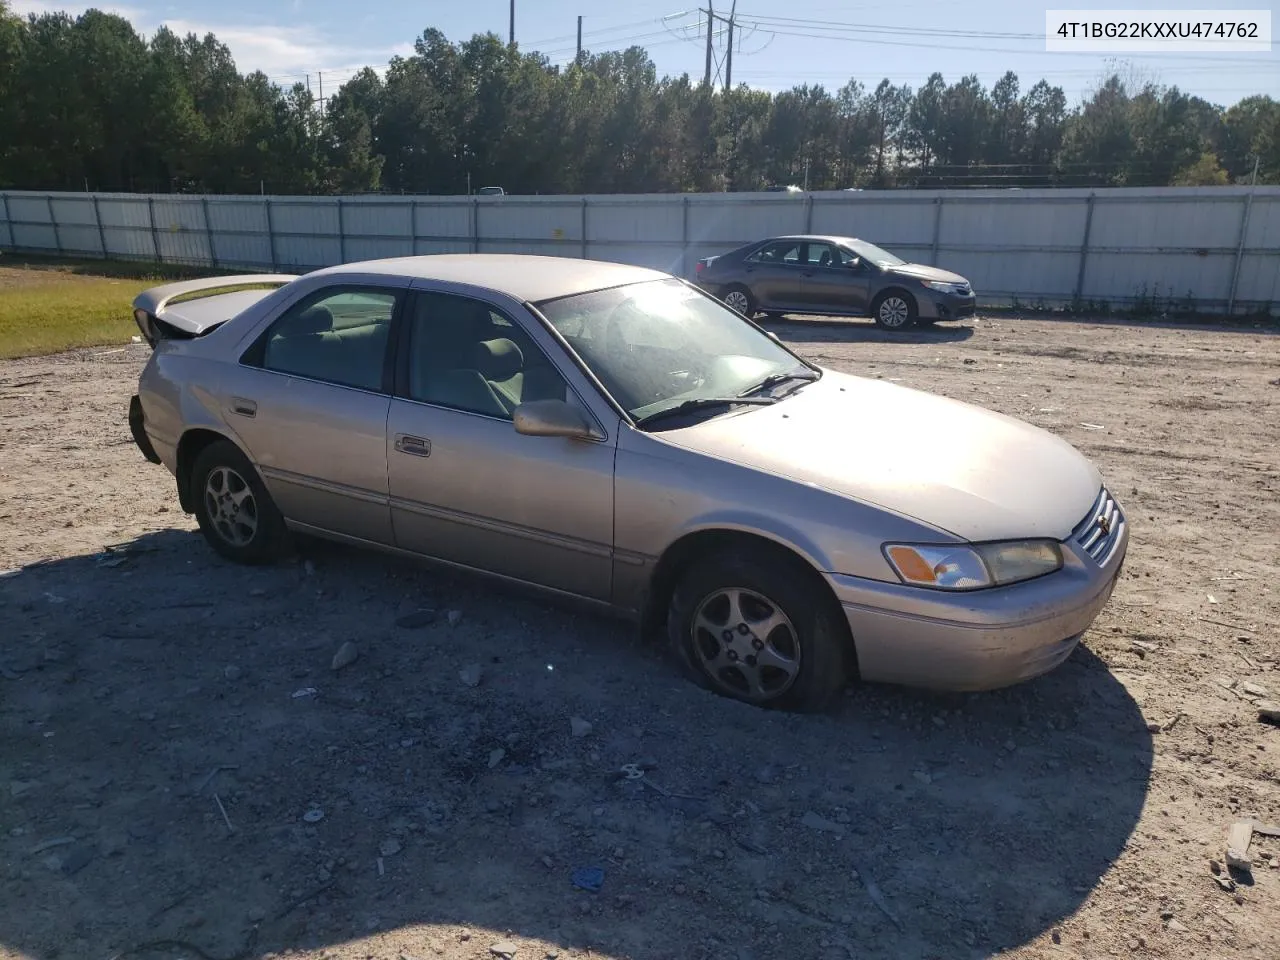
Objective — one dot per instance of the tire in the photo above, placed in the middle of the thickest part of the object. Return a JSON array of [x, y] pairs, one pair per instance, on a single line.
[[739, 298], [236, 513], [894, 310], [809, 641]]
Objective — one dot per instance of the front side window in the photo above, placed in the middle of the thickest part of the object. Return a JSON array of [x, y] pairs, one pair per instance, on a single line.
[[823, 255], [656, 344], [466, 355], [339, 337]]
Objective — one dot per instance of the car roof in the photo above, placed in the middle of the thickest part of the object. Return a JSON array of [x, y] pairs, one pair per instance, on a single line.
[[526, 277], [829, 238]]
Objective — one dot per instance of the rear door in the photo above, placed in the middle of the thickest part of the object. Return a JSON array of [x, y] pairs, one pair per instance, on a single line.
[[309, 401], [775, 274], [834, 280]]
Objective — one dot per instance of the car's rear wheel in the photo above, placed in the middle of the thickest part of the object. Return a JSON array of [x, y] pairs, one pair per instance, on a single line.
[[756, 627], [894, 310], [739, 298], [235, 512]]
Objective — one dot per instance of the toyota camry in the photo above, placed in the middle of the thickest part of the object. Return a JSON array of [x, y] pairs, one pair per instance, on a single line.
[[616, 435]]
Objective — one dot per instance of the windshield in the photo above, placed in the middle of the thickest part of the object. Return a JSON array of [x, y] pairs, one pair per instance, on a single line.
[[657, 344], [869, 251]]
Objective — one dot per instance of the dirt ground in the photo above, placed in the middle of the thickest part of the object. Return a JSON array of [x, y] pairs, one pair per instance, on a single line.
[[182, 774]]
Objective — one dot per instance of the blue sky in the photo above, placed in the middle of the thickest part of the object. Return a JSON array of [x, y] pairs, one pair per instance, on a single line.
[[779, 45]]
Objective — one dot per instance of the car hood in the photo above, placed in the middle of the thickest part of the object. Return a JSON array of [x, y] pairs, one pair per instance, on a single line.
[[924, 272], [972, 472]]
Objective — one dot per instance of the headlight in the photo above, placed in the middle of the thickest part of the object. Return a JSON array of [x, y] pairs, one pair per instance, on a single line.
[[942, 286], [960, 567]]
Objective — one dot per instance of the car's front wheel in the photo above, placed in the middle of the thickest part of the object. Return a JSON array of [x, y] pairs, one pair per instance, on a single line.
[[756, 627], [235, 512], [894, 310], [738, 297]]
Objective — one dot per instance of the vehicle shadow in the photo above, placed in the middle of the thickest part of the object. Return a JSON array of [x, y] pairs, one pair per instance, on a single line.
[[850, 330], [180, 763]]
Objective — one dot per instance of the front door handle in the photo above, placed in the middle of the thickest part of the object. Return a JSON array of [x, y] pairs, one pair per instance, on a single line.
[[414, 446], [245, 408]]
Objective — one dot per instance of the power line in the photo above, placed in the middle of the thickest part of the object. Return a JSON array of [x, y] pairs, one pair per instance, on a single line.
[[909, 31], [600, 31]]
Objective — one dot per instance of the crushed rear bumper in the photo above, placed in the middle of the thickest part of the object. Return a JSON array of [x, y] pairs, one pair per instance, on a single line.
[[138, 430]]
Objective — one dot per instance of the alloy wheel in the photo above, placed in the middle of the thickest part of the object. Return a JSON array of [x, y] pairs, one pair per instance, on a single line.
[[737, 300], [232, 509], [746, 644], [894, 312]]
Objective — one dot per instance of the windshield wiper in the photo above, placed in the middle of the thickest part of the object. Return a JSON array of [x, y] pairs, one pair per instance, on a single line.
[[774, 379], [699, 403]]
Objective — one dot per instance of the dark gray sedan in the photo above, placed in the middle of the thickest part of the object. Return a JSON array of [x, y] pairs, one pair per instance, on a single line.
[[834, 276]]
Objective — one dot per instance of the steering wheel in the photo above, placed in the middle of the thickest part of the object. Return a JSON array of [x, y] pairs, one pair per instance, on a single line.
[[623, 351]]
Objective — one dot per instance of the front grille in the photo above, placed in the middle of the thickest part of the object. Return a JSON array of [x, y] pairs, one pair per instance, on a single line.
[[1100, 530], [964, 289]]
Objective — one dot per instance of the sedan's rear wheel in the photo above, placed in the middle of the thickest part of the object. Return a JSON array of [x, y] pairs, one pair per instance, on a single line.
[[757, 628], [738, 297], [894, 310], [236, 513]]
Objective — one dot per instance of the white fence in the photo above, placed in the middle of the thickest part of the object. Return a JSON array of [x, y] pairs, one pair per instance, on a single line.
[[1214, 249]]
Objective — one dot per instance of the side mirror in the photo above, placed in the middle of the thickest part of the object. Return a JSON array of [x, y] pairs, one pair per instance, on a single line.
[[552, 418]]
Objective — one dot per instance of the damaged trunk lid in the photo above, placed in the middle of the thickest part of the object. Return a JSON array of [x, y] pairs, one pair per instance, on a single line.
[[192, 308]]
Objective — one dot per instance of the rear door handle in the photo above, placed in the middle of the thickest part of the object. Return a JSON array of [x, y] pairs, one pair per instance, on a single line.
[[414, 446], [245, 408]]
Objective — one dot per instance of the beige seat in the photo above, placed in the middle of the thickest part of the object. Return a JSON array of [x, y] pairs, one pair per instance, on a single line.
[[308, 346]]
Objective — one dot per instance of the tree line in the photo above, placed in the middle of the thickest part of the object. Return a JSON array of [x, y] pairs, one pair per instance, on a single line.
[[87, 102]]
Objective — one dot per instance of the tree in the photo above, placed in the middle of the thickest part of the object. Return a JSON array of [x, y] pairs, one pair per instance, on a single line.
[[1007, 143], [1205, 172], [923, 134], [1045, 109], [887, 110], [87, 100], [1097, 143]]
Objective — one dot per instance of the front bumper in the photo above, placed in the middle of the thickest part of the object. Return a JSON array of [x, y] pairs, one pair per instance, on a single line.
[[137, 428], [947, 306], [984, 639]]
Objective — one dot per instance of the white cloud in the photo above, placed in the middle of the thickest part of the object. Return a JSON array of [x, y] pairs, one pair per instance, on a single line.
[[285, 53]]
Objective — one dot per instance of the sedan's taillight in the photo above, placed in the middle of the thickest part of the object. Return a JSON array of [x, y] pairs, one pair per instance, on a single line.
[[699, 266]]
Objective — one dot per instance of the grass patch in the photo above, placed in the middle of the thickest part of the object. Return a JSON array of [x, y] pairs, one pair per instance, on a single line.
[[60, 314], [49, 305]]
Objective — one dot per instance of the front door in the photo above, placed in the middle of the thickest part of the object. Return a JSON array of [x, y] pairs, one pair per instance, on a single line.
[[835, 280], [465, 487], [309, 401]]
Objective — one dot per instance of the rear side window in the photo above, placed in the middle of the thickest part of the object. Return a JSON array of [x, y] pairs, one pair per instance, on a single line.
[[336, 336], [781, 251]]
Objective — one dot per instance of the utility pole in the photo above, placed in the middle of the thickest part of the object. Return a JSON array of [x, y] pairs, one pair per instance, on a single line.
[[1254, 182], [320, 77], [711, 31], [513, 21], [728, 62], [578, 58]]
